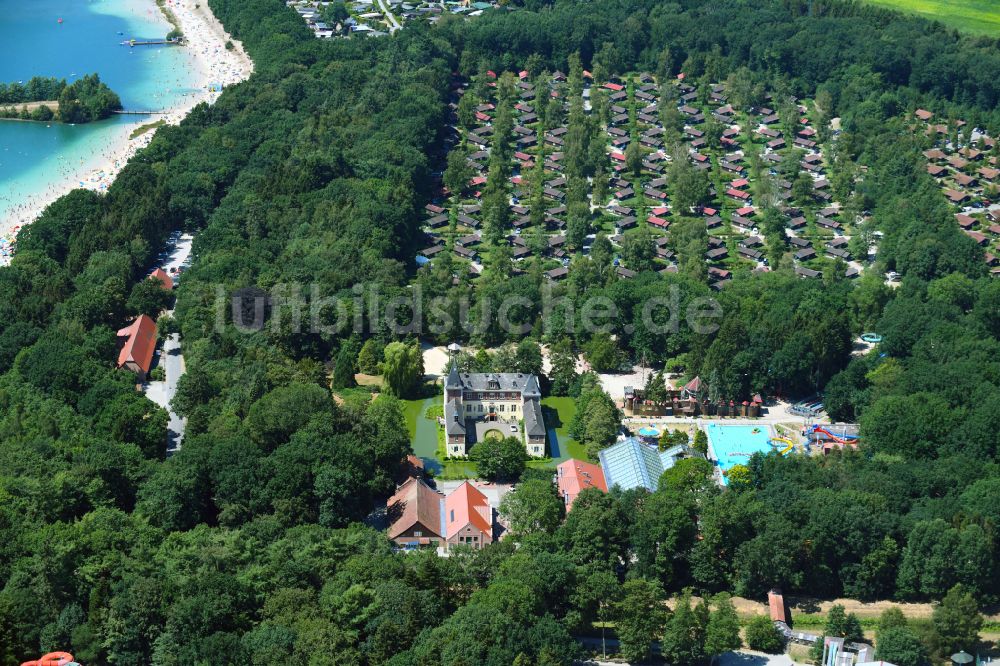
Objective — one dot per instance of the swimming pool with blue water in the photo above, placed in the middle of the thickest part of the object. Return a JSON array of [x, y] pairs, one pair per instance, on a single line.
[[731, 445]]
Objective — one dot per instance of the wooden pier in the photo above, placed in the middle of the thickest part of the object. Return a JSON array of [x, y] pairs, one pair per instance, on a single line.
[[153, 42]]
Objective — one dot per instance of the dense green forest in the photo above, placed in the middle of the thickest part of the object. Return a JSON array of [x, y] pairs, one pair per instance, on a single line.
[[246, 546], [85, 100], [37, 89]]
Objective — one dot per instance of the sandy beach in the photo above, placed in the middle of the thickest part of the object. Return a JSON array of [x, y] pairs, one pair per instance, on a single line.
[[216, 68]]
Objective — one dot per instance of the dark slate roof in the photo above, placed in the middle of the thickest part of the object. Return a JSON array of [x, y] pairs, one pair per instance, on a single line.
[[508, 381], [453, 381], [454, 417], [531, 388], [534, 426]]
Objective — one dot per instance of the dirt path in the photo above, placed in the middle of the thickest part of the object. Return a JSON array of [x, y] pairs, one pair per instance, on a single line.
[[31, 106], [864, 610], [804, 605]]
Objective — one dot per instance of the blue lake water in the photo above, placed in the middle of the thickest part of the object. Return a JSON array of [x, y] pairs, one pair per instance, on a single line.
[[34, 156]]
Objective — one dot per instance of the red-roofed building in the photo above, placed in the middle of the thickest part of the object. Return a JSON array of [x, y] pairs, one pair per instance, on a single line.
[[692, 389], [776, 606], [614, 86], [468, 517], [165, 280], [412, 467], [575, 476], [415, 512], [137, 342]]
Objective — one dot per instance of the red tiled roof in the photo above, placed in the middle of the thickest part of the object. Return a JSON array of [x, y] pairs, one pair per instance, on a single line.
[[573, 476], [467, 505], [140, 342], [415, 502], [163, 277], [776, 606]]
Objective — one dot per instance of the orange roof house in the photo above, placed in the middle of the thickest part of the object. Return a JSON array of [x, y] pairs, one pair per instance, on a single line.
[[468, 517], [165, 280], [574, 476], [137, 341], [776, 606], [415, 512]]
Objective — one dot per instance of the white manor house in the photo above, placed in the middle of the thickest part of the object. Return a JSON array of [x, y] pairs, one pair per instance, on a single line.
[[477, 403]]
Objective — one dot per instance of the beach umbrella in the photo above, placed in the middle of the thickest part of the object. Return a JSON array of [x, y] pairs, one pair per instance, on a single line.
[[962, 657]]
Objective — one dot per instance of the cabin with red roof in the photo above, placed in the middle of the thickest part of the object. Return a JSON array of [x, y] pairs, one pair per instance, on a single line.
[[776, 606], [415, 511], [575, 476], [136, 344], [468, 517], [164, 278]]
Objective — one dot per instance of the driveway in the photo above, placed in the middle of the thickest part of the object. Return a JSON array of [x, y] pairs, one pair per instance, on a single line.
[[176, 255], [387, 10], [748, 658], [171, 360]]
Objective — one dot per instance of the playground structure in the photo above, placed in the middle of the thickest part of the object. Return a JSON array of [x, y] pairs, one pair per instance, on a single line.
[[52, 659]]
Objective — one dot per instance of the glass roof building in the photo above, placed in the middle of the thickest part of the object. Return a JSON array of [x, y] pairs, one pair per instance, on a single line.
[[632, 464]]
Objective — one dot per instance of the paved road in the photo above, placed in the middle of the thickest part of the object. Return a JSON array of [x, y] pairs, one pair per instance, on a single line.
[[394, 24], [171, 360], [170, 357], [737, 658]]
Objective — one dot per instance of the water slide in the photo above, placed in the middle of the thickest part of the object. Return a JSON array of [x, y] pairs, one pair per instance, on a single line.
[[783, 440], [846, 440], [52, 659]]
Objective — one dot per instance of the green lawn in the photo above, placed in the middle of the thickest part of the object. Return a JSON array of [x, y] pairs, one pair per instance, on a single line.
[[976, 16]]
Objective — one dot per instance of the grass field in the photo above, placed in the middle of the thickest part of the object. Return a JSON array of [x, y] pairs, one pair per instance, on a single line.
[[981, 17]]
